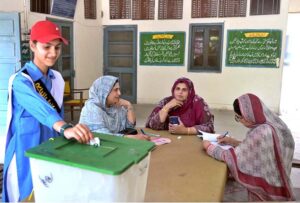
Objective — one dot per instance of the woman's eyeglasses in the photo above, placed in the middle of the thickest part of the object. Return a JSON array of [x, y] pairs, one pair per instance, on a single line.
[[237, 117]]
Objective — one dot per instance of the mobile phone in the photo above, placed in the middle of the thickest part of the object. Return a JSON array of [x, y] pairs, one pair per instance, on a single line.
[[174, 120]]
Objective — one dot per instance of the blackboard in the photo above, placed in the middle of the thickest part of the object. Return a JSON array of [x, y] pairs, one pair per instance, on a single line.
[[162, 48], [253, 48]]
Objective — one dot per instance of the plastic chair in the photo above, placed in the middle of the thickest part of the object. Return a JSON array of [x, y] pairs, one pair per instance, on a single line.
[[71, 102]]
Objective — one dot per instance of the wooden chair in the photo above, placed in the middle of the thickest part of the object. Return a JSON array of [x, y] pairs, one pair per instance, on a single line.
[[71, 102]]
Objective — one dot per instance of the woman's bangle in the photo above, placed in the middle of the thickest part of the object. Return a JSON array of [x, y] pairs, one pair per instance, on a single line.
[[165, 110]]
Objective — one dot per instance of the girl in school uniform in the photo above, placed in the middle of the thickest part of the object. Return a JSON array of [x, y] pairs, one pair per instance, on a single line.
[[35, 110]]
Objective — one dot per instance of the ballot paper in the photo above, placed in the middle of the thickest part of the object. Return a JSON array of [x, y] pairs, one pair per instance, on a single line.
[[95, 142], [212, 137]]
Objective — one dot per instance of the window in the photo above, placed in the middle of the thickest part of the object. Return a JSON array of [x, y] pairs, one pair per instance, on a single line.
[[90, 11], [204, 8], [170, 9], [120, 9], [40, 6], [143, 9], [264, 7], [232, 8], [205, 49]]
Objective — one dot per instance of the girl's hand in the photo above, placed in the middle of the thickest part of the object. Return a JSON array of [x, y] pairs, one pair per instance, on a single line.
[[80, 132]]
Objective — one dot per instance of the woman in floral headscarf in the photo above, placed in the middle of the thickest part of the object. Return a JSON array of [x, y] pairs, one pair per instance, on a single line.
[[106, 112], [262, 161], [193, 112]]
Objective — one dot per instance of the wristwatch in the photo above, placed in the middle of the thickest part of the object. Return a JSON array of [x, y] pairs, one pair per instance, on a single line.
[[64, 127]]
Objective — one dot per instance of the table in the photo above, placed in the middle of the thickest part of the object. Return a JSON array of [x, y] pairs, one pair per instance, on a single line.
[[182, 171]]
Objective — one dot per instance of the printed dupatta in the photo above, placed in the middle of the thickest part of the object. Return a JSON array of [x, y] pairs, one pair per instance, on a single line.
[[95, 113], [262, 162]]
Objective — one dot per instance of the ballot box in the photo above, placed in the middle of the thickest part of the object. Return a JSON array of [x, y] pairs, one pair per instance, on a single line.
[[65, 170]]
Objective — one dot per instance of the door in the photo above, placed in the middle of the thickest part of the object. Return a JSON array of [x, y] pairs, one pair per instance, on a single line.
[[290, 97], [9, 63], [120, 58], [65, 63]]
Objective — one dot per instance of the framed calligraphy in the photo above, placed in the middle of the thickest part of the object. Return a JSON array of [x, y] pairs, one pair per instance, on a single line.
[[162, 48], [253, 48]]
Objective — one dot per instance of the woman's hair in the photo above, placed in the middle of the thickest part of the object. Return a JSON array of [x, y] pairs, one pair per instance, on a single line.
[[236, 107], [115, 83]]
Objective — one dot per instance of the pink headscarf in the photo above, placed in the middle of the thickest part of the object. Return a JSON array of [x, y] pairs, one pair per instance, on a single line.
[[191, 95], [193, 113]]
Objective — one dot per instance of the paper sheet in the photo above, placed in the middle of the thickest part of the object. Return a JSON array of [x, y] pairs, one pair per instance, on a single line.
[[212, 137]]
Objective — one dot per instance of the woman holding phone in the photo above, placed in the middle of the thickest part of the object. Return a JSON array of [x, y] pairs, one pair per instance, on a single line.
[[182, 113]]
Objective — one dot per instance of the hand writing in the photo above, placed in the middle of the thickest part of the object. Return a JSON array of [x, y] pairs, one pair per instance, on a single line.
[[228, 140]]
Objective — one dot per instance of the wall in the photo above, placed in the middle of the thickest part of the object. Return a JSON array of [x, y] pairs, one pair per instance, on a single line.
[[87, 38], [294, 6], [218, 89]]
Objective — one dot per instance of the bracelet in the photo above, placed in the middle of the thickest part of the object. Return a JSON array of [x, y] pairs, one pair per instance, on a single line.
[[64, 127], [164, 109]]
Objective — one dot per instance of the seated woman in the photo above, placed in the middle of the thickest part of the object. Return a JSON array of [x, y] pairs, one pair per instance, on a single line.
[[262, 161], [106, 112], [191, 109]]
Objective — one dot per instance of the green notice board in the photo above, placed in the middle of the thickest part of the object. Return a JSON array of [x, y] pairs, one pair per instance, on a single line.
[[162, 48], [253, 48]]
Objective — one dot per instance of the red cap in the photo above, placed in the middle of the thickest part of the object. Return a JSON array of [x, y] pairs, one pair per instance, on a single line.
[[46, 31]]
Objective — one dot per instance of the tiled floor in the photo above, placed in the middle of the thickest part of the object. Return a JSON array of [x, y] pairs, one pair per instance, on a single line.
[[224, 121]]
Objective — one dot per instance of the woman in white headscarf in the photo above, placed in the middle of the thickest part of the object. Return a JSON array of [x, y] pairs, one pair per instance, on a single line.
[[106, 112]]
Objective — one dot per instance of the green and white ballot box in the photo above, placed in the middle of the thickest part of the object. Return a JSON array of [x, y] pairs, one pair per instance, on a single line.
[[65, 171]]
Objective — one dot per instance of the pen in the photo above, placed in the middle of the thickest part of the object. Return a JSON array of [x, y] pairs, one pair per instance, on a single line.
[[226, 133], [149, 134]]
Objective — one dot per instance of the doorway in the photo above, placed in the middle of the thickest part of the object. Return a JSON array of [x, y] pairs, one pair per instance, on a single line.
[[120, 58], [290, 96], [10, 62], [65, 63]]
